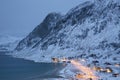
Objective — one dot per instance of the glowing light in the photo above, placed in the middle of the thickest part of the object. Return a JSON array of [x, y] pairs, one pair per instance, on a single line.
[[117, 65], [89, 74], [79, 76], [83, 60], [108, 70]]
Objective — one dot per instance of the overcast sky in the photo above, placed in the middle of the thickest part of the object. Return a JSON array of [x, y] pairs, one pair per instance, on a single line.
[[19, 17]]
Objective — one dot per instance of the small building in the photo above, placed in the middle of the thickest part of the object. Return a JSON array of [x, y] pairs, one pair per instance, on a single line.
[[79, 76], [117, 65], [65, 60], [109, 70], [97, 68], [116, 75], [55, 60]]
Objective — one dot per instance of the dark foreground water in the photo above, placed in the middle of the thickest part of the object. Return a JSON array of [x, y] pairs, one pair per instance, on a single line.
[[19, 69]]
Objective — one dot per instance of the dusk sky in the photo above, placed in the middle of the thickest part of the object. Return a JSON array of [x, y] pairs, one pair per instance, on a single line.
[[20, 17]]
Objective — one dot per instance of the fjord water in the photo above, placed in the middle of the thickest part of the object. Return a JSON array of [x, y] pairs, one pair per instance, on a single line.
[[19, 69]]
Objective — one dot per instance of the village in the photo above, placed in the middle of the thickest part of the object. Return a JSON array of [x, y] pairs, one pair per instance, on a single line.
[[87, 72]]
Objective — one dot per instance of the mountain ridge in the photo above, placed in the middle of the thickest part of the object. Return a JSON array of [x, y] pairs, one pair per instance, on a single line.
[[95, 23], [90, 31]]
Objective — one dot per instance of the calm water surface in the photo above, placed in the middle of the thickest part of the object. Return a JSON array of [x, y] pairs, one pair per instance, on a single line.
[[19, 69]]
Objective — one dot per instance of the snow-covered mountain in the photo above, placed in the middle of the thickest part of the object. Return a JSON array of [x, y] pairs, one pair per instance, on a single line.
[[91, 27], [8, 43], [90, 31]]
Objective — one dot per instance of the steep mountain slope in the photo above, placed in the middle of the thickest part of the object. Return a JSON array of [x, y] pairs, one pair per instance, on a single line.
[[88, 28], [40, 32], [90, 31]]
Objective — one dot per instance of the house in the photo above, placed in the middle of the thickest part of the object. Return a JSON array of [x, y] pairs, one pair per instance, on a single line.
[[55, 60], [79, 76]]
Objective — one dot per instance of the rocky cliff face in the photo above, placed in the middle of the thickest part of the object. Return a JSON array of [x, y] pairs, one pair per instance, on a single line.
[[91, 30], [40, 32]]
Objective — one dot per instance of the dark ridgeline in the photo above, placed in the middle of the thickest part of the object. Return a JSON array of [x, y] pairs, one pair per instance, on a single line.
[[47, 32]]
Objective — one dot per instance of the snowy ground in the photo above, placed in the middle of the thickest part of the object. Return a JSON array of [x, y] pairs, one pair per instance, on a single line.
[[70, 71]]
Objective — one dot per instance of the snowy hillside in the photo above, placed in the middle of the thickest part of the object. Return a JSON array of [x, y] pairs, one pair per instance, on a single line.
[[90, 31], [8, 42]]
